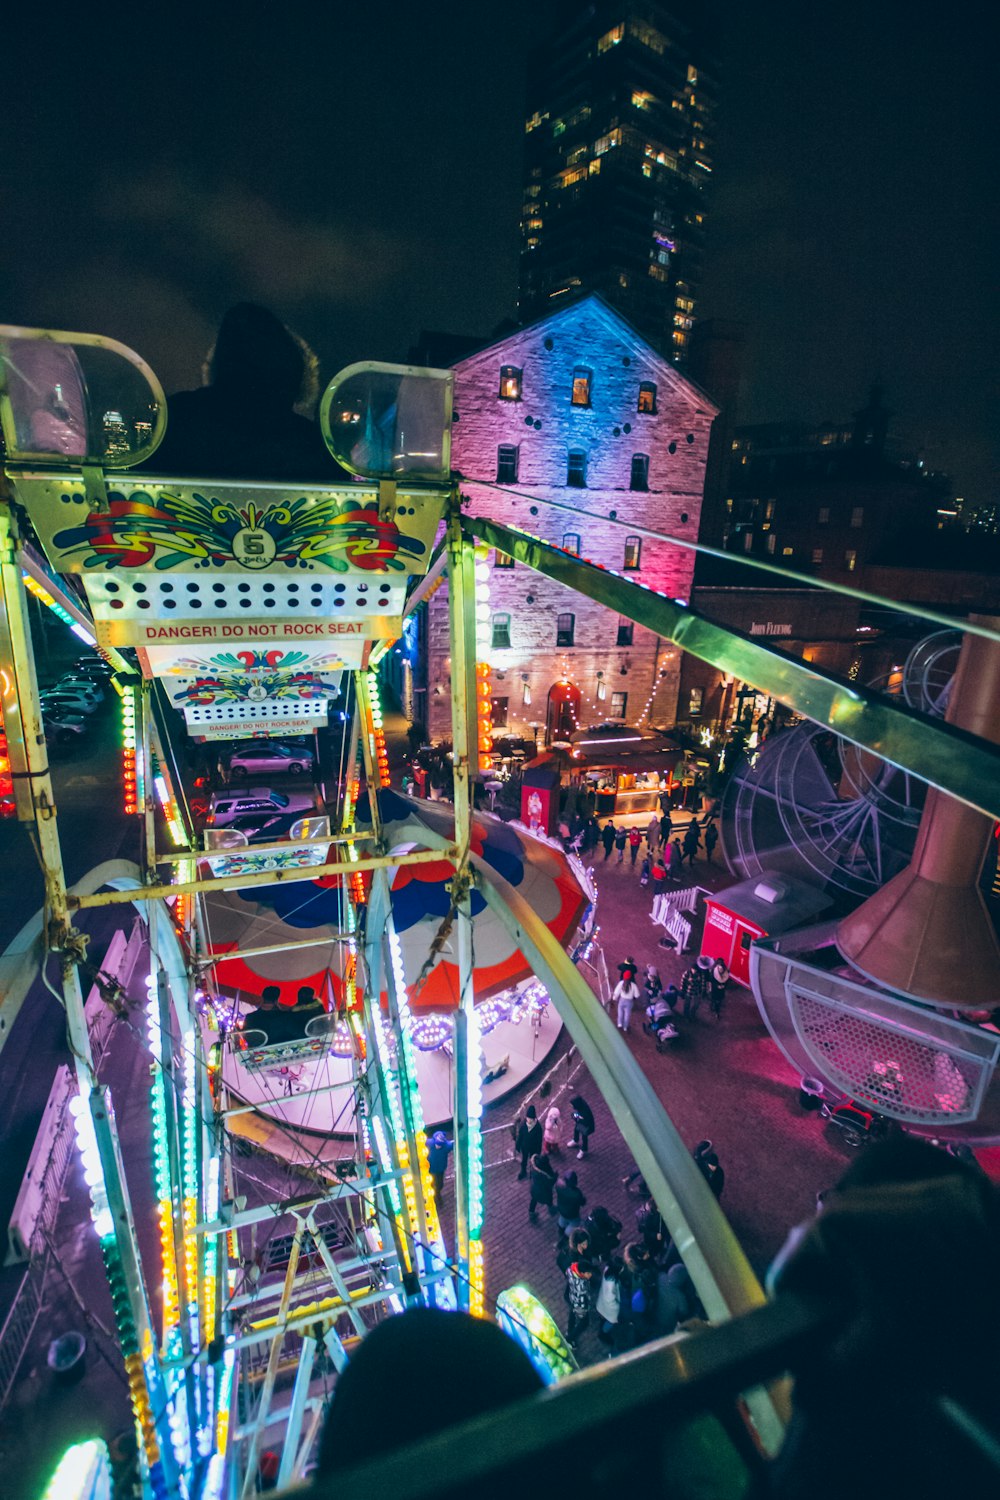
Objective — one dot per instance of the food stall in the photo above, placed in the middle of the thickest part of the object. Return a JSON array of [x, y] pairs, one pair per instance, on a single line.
[[630, 770], [765, 906]]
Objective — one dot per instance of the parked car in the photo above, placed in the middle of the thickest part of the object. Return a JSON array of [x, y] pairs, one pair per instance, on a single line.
[[94, 666], [82, 684], [266, 827], [63, 728], [269, 757], [68, 700], [225, 806]]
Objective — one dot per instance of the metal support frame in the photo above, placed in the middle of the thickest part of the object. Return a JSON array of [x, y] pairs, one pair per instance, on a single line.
[[462, 637], [247, 882], [957, 762]]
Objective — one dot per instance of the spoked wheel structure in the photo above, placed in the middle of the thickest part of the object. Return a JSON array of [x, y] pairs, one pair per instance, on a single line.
[[816, 805]]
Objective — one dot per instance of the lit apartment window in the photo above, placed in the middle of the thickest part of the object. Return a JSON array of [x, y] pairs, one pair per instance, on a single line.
[[748, 541], [581, 386], [850, 559], [502, 559], [576, 469], [639, 477], [610, 38], [771, 543], [769, 510], [633, 553], [500, 639], [824, 515], [507, 463], [817, 554], [647, 397], [858, 516], [696, 697], [571, 543], [619, 705], [787, 551], [625, 629], [565, 628], [510, 383]]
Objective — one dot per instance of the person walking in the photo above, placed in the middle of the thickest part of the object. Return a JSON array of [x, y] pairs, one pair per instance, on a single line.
[[529, 1139], [675, 857], [709, 1166], [578, 1279], [626, 994], [620, 837], [551, 1128], [542, 1184], [569, 1203], [439, 1148], [711, 839], [608, 1303], [659, 877], [608, 838], [634, 840], [653, 834], [605, 1233], [718, 978], [645, 871], [692, 839], [666, 828], [583, 1124], [692, 991]]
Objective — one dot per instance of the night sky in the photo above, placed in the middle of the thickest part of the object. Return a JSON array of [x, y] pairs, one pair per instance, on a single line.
[[357, 168]]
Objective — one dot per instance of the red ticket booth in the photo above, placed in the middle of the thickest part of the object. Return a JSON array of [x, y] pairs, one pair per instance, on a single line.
[[540, 797], [765, 906]]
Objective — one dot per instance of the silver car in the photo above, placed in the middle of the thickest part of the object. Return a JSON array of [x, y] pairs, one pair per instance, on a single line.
[[227, 806], [269, 758]]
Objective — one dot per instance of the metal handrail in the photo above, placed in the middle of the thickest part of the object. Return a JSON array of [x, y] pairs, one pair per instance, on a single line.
[[644, 1394]]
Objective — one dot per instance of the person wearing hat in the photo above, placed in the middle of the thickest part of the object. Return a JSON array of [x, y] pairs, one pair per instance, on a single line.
[[439, 1148], [709, 1167]]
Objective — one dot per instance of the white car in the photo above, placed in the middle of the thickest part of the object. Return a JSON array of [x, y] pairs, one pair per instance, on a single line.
[[225, 806], [68, 700], [79, 683], [269, 757]]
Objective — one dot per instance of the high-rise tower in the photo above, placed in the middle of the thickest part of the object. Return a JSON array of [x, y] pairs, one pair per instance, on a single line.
[[617, 163]]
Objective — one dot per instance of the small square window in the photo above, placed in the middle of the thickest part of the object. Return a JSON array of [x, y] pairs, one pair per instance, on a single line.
[[639, 477], [500, 639], [510, 383], [619, 705], [507, 455], [581, 386], [498, 712], [858, 516], [633, 554], [647, 398], [571, 543], [824, 515], [576, 469], [625, 629], [502, 559], [565, 629]]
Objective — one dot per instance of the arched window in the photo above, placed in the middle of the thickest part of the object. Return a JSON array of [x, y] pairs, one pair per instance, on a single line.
[[571, 543]]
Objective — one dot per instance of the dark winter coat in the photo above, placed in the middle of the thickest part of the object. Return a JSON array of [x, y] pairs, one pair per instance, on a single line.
[[529, 1136], [607, 837], [583, 1113], [542, 1180], [569, 1198]]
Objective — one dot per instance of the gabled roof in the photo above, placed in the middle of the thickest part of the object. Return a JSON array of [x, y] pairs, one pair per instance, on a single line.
[[622, 329]]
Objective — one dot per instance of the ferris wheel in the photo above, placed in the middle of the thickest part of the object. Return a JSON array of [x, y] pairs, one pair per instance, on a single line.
[[816, 805]]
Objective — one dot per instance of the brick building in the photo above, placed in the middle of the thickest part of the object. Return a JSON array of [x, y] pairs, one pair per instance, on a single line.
[[576, 409]]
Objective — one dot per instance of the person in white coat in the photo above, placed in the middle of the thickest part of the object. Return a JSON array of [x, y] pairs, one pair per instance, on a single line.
[[626, 994], [550, 1129]]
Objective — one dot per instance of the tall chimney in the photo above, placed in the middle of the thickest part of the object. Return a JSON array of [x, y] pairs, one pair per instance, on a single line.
[[928, 932]]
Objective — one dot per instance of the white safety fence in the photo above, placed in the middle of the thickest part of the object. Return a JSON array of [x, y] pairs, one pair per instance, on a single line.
[[667, 913]]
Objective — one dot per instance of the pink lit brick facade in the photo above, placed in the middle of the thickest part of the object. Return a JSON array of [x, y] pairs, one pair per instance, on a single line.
[[544, 425]]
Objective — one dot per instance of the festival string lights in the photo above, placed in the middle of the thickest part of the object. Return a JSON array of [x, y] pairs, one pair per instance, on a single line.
[[484, 645], [380, 755], [128, 1334], [42, 594], [131, 770]]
